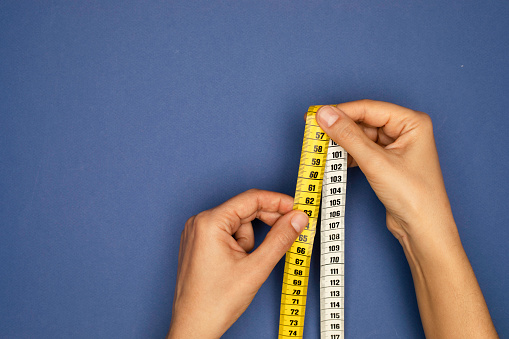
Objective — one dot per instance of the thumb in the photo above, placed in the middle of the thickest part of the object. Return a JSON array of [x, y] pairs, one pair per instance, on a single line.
[[279, 240], [346, 133]]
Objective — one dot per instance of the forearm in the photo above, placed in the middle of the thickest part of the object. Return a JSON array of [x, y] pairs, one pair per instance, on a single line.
[[185, 328], [450, 301]]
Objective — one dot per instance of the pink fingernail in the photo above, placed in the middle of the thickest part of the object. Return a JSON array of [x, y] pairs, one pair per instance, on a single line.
[[327, 115], [299, 221]]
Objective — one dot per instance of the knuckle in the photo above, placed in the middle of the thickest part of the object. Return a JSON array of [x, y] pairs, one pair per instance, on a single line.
[[425, 123], [189, 223], [366, 104], [425, 117], [202, 227], [253, 191], [198, 222]]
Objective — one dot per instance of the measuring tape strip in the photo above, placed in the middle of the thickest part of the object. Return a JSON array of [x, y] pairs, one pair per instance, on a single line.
[[322, 162], [332, 236]]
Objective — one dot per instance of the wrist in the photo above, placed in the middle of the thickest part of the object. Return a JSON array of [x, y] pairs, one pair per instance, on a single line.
[[449, 298], [191, 323], [183, 331], [432, 245]]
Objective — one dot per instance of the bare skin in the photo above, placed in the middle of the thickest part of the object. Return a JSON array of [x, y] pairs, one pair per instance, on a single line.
[[217, 278], [377, 135], [400, 141]]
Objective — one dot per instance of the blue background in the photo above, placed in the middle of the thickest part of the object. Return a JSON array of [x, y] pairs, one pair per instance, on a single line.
[[121, 119]]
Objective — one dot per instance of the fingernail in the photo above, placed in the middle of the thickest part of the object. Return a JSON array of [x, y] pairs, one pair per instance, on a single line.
[[299, 221], [327, 115]]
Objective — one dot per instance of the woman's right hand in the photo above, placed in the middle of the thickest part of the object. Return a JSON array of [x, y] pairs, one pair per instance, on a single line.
[[395, 148]]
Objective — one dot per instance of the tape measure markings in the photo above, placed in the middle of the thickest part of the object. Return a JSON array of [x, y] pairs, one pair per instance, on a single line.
[[332, 236], [307, 198], [321, 159]]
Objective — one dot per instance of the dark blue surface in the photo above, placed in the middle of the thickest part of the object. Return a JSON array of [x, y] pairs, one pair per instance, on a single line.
[[120, 119]]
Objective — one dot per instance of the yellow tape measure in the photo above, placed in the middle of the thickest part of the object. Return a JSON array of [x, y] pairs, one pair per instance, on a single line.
[[308, 195]]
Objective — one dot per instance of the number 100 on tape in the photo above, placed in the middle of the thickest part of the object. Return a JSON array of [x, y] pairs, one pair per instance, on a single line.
[[321, 182]]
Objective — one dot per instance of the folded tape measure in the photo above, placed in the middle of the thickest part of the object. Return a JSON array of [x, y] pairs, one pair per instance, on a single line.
[[322, 178]]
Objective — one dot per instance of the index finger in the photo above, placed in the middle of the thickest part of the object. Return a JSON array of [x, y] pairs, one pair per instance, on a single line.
[[393, 119], [253, 204]]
